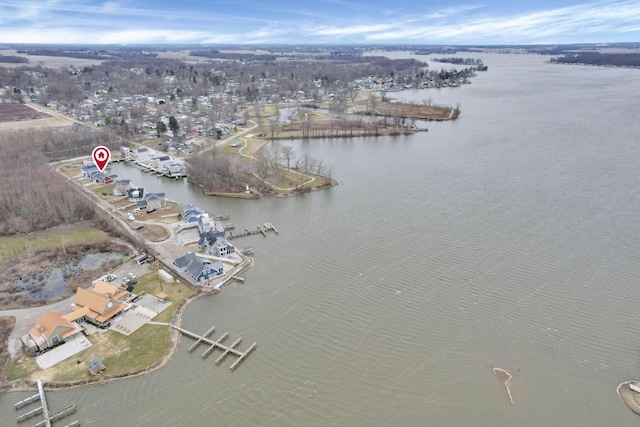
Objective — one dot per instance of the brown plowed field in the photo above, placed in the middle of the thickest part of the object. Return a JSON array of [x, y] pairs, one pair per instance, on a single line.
[[23, 116], [18, 113]]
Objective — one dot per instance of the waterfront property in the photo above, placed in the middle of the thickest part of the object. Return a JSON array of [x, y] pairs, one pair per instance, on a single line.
[[200, 270], [214, 344], [135, 194], [43, 409], [191, 213], [99, 305], [89, 169], [50, 330], [214, 243], [204, 223], [152, 201], [122, 187]]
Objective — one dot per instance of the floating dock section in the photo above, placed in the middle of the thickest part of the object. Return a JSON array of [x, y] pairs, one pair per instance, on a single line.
[[214, 344], [27, 401]]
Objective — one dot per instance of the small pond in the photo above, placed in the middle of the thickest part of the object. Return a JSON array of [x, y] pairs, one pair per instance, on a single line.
[[51, 284]]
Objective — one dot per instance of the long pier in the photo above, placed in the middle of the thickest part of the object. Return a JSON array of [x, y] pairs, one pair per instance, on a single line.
[[43, 409], [43, 400], [213, 344], [260, 229]]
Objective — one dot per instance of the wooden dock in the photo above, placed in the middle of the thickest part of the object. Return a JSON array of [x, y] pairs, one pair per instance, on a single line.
[[152, 170], [260, 229], [214, 344], [43, 409]]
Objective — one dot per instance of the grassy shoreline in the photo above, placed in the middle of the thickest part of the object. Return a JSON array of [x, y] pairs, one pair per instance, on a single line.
[[148, 349]]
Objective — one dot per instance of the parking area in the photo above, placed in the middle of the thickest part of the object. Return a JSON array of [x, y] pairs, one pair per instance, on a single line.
[[130, 267], [152, 302], [147, 307]]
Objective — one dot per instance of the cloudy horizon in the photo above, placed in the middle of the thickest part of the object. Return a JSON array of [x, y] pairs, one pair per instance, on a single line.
[[327, 22]]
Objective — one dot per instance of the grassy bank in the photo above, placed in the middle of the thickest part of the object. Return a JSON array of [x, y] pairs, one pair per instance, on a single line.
[[64, 235], [120, 354]]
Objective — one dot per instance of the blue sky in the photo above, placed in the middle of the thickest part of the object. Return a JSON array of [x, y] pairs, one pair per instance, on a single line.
[[328, 21]]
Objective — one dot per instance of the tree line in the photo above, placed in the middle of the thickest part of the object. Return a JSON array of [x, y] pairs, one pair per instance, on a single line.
[[597, 58], [12, 59]]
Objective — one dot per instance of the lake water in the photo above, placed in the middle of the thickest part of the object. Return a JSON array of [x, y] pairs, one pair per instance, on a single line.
[[508, 238]]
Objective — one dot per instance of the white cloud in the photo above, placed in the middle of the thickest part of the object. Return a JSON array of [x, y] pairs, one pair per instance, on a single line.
[[45, 35], [351, 30], [152, 36], [560, 23], [118, 21]]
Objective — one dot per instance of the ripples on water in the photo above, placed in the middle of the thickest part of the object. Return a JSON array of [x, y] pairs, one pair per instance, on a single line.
[[507, 238]]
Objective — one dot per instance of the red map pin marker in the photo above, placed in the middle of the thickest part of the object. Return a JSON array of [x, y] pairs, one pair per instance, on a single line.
[[101, 156]]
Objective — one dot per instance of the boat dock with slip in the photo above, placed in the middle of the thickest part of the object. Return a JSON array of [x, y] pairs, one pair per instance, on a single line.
[[213, 344], [260, 229], [43, 409]]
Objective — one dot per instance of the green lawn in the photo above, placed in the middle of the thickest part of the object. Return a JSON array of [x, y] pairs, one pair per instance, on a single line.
[[81, 233]]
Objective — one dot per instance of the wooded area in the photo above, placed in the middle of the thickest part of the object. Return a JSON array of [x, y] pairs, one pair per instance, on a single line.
[[32, 195], [597, 58], [218, 172]]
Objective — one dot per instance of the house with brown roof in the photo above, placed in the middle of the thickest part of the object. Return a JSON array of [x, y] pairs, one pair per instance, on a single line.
[[99, 308], [109, 289], [50, 329]]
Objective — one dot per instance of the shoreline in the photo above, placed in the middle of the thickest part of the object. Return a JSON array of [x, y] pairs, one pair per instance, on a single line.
[[628, 396], [254, 194], [504, 377], [23, 385]]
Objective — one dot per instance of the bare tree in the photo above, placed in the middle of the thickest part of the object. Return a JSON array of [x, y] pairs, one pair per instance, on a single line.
[[273, 126], [372, 102], [288, 154], [307, 162]]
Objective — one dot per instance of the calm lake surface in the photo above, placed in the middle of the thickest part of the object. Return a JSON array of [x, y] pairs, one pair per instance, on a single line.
[[508, 238]]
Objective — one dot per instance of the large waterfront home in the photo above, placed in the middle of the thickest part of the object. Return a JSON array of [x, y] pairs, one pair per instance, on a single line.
[[152, 201], [191, 213], [101, 304], [50, 329], [200, 270], [214, 243]]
